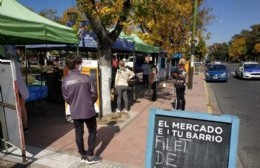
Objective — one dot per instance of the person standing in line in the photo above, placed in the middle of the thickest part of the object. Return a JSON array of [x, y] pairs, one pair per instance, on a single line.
[[23, 91], [146, 72], [153, 82], [114, 69], [80, 93], [179, 75], [41, 59], [121, 84]]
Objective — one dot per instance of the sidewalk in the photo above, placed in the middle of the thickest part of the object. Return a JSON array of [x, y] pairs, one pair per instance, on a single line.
[[121, 146]]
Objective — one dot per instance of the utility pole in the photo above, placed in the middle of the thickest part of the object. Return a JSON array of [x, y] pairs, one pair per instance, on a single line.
[[193, 42]]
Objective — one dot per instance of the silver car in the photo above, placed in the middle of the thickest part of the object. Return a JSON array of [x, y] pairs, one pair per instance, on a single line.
[[248, 70]]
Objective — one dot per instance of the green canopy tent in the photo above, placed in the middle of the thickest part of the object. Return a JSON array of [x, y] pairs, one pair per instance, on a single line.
[[139, 44], [19, 25]]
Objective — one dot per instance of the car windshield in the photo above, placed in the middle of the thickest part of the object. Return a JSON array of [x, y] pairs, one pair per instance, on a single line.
[[217, 67], [247, 66]]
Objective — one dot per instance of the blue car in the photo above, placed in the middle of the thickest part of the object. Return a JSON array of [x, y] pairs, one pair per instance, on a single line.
[[216, 72]]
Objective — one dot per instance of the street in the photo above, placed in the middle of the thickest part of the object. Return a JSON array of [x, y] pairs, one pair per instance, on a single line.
[[241, 98]]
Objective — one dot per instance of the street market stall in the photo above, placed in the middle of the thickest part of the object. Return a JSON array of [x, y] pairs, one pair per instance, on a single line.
[[19, 25]]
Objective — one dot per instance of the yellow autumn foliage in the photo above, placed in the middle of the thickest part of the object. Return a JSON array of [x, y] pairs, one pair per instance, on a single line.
[[164, 23], [257, 47], [238, 47]]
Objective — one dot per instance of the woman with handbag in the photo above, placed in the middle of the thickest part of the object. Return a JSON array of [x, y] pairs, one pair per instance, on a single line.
[[123, 75], [179, 75]]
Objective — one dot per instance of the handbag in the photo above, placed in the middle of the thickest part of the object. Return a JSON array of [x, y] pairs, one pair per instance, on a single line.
[[131, 82]]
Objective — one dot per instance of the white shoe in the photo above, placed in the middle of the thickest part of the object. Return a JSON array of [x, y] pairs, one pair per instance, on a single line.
[[125, 110], [118, 111], [93, 159]]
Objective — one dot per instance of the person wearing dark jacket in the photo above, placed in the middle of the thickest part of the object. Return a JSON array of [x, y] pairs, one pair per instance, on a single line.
[[80, 93], [153, 82]]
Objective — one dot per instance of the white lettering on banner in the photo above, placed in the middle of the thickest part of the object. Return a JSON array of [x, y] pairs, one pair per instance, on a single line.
[[162, 123], [164, 144], [160, 131], [169, 157], [204, 137], [190, 131]]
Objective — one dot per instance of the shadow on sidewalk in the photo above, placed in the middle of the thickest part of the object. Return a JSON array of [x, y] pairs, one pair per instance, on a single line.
[[46, 127], [104, 135]]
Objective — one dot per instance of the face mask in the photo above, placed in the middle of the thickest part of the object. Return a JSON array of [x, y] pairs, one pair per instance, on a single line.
[[80, 68]]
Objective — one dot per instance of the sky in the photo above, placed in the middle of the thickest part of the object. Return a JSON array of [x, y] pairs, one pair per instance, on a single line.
[[232, 16]]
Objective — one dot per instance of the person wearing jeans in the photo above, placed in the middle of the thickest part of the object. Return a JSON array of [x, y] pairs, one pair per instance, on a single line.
[[146, 73], [122, 92], [180, 91], [179, 75], [121, 84], [91, 124], [80, 93]]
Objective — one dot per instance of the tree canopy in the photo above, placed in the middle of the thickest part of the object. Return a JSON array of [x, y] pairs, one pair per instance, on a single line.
[[243, 46]]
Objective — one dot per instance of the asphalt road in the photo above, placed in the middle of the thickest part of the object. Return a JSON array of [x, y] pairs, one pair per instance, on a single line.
[[242, 98]]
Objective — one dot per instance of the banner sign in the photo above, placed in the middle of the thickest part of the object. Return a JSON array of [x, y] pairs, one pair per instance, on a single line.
[[90, 67], [190, 139]]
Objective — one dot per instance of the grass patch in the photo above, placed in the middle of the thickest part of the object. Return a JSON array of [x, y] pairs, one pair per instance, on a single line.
[[113, 118]]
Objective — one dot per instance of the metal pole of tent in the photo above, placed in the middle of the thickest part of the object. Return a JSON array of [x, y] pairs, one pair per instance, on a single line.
[[26, 66], [134, 56], [78, 50]]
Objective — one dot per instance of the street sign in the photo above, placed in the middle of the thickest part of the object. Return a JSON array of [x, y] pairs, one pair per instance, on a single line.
[[196, 39]]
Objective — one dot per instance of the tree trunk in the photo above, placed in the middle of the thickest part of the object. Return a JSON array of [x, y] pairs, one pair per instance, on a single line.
[[106, 71]]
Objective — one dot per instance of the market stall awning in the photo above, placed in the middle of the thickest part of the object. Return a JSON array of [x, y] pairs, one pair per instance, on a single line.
[[19, 25], [123, 45], [177, 55], [89, 41], [139, 44]]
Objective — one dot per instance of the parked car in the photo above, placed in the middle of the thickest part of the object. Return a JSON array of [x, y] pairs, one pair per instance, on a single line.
[[216, 72], [248, 70], [130, 62]]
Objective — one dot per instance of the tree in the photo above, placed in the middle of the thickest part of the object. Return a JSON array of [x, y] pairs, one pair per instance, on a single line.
[[102, 16], [247, 39], [257, 48], [168, 25], [252, 40], [161, 23], [201, 49], [257, 51], [50, 14], [238, 48], [218, 51]]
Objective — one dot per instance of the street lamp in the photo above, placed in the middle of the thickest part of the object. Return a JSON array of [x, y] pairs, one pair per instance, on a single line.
[[193, 42]]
